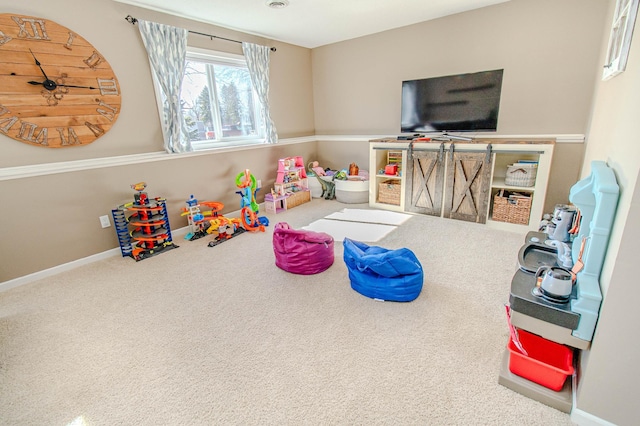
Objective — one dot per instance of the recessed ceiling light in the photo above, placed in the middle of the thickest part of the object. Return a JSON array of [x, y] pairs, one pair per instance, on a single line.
[[277, 4]]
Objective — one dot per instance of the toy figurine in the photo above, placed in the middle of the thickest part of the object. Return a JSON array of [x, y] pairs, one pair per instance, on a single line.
[[315, 167]]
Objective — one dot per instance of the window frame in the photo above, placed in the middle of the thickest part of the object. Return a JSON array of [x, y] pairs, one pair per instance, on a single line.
[[620, 38], [224, 58]]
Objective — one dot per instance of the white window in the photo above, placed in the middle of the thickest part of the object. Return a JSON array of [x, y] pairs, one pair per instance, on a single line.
[[620, 39], [219, 105]]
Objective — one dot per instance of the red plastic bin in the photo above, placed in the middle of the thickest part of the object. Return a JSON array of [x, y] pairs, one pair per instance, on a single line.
[[548, 363]]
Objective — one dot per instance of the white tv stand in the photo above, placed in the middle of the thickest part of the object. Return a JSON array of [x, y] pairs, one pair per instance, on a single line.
[[502, 153]]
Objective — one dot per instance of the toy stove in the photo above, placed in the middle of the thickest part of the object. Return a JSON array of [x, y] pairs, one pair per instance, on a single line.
[[573, 322]]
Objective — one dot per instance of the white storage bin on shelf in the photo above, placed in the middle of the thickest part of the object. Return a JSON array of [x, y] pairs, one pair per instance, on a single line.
[[521, 174]]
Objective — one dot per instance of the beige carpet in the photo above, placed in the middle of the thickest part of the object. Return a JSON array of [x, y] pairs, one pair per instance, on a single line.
[[218, 335]]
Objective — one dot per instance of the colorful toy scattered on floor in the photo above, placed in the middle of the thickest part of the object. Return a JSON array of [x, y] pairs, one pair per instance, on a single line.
[[205, 222], [199, 219], [246, 182], [209, 222], [145, 232]]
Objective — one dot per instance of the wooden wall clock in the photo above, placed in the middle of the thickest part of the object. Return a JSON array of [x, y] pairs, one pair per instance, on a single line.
[[56, 89]]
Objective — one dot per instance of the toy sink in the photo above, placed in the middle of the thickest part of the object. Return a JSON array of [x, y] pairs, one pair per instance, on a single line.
[[533, 255]]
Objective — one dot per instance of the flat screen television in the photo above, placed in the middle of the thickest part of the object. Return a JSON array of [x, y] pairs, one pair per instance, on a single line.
[[453, 103]]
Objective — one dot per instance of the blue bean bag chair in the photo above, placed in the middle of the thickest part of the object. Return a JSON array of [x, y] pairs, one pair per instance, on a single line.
[[380, 273]]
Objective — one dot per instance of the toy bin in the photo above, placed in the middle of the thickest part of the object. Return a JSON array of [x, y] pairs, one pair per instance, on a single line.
[[352, 191], [546, 363]]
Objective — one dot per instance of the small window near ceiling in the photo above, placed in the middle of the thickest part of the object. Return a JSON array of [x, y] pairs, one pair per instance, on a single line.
[[219, 105]]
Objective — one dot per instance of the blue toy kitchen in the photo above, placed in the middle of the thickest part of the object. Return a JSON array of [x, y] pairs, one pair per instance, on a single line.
[[555, 293]]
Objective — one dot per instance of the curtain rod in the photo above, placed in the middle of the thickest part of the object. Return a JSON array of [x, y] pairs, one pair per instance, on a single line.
[[133, 21]]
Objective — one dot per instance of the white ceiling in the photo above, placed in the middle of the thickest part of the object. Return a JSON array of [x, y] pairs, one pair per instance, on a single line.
[[312, 23]]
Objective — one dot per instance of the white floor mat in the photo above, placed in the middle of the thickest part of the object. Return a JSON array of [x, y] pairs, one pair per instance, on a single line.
[[384, 217], [339, 229]]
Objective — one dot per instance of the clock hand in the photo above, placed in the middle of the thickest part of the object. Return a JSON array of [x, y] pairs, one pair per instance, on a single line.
[[51, 85], [79, 87], [38, 64], [48, 84]]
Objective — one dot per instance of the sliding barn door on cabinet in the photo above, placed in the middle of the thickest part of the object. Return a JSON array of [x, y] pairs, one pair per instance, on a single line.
[[468, 185], [425, 181]]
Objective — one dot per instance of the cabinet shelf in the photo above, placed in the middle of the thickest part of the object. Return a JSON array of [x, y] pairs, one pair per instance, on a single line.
[[389, 176], [499, 183], [504, 153]]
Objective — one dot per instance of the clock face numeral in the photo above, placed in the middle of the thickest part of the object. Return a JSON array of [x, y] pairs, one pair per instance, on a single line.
[[7, 123], [71, 138], [69, 42], [4, 38], [31, 28], [27, 132], [107, 111], [97, 130], [108, 86], [93, 60]]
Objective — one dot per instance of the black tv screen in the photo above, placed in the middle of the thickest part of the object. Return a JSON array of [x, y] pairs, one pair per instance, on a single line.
[[453, 103]]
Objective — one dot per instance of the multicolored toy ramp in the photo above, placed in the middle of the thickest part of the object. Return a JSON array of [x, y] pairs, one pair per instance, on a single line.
[[142, 226]]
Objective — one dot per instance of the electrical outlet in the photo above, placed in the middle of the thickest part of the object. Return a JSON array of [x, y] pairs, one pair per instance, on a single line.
[[259, 185], [104, 221]]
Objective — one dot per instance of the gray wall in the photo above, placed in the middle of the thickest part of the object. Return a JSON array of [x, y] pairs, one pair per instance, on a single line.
[[609, 384], [549, 51], [547, 48]]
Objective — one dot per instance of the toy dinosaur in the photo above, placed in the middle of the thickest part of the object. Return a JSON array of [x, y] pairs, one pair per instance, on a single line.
[[328, 188]]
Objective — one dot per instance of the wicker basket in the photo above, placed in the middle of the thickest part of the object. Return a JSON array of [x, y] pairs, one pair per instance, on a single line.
[[389, 192], [297, 198], [511, 207], [521, 175]]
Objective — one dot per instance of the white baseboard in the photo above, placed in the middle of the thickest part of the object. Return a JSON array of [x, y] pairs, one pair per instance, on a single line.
[[583, 418], [6, 285], [26, 279]]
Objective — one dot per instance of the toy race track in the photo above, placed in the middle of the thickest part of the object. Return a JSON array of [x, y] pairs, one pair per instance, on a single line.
[[145, 232]]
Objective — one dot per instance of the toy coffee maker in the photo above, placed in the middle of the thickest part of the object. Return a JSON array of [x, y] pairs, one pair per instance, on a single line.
[[561, 223]]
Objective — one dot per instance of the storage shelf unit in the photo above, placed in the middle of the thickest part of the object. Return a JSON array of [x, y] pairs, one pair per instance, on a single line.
[[378, 160], [504, 153]]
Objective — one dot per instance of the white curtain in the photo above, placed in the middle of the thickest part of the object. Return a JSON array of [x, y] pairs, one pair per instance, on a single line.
[[167, 49], [258, 63]]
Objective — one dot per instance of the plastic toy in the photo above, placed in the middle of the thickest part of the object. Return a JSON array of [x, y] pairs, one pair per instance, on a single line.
[[248, 191], [150, 233], [314, 166], [225, 229], [291, 182], [250, 208], [328, 188], [198, 219], [211, 222]]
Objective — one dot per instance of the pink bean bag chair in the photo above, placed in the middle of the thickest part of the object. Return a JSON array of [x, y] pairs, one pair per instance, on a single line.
[[302, 252]]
